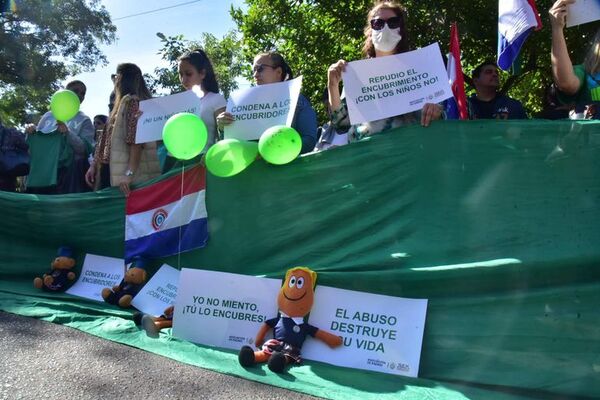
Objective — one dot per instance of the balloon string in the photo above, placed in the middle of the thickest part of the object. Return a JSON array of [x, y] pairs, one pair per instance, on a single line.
[[180, 222]]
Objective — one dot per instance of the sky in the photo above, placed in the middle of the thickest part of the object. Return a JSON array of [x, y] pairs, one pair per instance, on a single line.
[[137, 41]]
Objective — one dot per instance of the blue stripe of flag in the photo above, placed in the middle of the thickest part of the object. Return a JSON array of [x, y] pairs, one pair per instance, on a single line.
[[166, 243]]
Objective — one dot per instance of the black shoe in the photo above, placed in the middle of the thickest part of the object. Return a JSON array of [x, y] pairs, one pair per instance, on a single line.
[[246, 356], [277, 362], [149, 327], [137, 318]]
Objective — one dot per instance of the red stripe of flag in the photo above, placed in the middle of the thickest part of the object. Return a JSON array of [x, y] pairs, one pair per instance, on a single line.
[[536, 13], [458, 86], [166, 191]]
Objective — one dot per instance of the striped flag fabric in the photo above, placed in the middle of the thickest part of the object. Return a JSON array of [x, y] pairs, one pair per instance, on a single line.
[[168, 217], [456, 107], [516, 20]]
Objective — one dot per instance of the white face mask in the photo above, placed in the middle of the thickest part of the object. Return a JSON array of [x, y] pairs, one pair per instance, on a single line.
[[386, 39]]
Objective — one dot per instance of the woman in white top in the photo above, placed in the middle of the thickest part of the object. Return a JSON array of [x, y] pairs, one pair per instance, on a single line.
[[196, 73]]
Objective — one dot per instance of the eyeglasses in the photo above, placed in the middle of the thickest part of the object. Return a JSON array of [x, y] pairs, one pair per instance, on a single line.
[[393, 23], [261, 67]]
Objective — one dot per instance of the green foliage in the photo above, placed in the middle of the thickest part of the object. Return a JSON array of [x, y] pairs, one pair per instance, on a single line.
[[41, 44], [313, 34], [224, 54]]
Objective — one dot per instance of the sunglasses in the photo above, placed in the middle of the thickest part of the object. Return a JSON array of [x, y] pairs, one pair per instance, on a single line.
[[393, 23], [261, 67]]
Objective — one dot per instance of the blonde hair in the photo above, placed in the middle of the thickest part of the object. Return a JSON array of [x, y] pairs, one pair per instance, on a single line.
[[400, 11], [310, 272], [591, 62]]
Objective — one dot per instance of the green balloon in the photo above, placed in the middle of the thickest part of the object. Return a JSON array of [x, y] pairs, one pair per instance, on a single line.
[[184, 135], [280, 144], [64, 105], [229, 157]]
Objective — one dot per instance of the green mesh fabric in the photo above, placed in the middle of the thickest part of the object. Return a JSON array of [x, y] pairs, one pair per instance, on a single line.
[[496, 223]]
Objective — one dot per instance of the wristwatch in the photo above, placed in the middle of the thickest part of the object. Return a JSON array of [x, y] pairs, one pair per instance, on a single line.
[[129, 173]]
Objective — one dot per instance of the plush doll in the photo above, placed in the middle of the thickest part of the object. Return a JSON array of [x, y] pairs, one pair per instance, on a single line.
[[295, 299], [59, 277], [154, 325], [124, 292]]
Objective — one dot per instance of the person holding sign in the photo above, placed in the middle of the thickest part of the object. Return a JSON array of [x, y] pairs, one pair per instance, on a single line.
[[271, 67], [580, 82], [118, 160], [196, 73], [385, 34]]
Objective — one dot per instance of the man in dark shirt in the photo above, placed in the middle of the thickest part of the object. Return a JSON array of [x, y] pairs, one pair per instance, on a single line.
[[487, 103]]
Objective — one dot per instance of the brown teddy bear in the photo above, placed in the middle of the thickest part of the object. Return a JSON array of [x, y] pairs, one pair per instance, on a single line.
[[60, 276], [124, 292]]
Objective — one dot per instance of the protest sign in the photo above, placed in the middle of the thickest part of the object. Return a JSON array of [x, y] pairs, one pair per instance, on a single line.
[[582, 12], [159, 293], [223, 309], [156, 112], [97, 273], [384, 87], [381, 333], [260, 107]]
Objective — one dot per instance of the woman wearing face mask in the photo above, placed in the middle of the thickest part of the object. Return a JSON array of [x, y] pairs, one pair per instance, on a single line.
[[270, 67], [385, 34]]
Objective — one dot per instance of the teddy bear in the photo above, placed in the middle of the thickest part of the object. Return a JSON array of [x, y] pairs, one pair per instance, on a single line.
[[60, 276], [132, 283], [294, 300]]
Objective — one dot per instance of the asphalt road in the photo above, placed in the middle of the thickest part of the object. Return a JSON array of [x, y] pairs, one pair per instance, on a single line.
[[36, 366]]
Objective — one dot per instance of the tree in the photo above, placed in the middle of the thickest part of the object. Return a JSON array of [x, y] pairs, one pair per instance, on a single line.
[[312, 34], [224, 54], [41, 44]]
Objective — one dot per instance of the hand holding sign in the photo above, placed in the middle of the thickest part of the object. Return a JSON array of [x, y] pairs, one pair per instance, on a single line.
[[185, 135], [582, 12], [64, 105]]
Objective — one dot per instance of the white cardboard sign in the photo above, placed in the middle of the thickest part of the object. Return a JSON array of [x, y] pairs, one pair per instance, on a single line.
[[260, 107], [384, 87], [582, 12], [159, 292], [156, 112], [97, 273], [381, 333], [223, 309]]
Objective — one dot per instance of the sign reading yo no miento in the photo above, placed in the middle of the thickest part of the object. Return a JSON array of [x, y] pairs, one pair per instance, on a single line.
[[223, 309]]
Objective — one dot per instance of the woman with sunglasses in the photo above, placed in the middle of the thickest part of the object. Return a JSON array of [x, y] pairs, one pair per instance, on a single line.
[[580, 83], [385, 34], [270, 67]]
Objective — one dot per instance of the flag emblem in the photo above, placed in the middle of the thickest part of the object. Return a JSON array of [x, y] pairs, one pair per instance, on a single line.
[[158, 218]]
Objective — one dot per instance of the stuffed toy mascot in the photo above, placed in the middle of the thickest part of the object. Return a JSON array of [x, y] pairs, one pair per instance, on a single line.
[[58, 279], [295, 299], [124, 292]]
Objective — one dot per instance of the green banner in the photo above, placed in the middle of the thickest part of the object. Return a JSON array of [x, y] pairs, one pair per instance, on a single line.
[[497, 223]]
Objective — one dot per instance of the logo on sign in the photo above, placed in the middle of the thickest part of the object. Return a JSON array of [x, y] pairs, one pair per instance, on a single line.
[[159, 218]]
